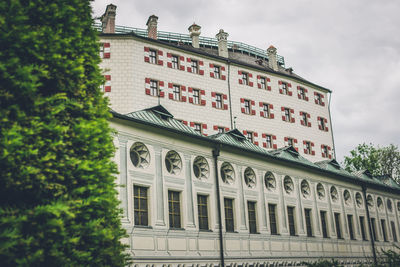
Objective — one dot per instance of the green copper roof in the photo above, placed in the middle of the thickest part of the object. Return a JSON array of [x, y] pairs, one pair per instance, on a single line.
[[160, 117]]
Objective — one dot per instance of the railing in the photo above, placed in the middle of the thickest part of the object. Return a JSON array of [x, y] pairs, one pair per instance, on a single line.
[[204, 41]]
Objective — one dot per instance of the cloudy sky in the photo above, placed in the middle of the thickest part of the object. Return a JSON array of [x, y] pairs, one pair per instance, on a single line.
[[351, 47]]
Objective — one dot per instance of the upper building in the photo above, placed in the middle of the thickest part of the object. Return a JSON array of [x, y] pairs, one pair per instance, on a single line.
[[215, 85]]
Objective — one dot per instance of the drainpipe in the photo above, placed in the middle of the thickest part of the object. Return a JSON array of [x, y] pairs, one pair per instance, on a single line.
[[364, 190], [215, 153], [330, 121], [229, 91]]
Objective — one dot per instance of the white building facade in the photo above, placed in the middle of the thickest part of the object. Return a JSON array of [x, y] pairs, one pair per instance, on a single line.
[[226, 157]]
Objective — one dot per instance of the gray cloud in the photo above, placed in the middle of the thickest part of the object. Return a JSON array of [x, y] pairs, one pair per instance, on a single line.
[[351, 47]]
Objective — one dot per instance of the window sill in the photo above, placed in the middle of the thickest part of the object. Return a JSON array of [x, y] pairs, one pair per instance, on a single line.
[[232, 232], [206, 230], [177, 229], [143, 226]]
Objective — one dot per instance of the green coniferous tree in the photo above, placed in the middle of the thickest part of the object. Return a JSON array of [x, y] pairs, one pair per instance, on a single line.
[[58, 201]]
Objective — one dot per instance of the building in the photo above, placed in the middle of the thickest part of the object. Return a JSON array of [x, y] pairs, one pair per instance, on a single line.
[[210, 131]]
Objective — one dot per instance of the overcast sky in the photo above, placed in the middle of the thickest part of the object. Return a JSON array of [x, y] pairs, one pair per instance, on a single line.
[[351, 47]]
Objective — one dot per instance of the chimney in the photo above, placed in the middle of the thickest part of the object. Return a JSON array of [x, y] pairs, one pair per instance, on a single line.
[[152, 27], [222, 43], [194, 31], [272, 61], [108, 19]]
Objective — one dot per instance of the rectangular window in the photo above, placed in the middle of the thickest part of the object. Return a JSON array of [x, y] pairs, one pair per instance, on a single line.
[[140, 205], [307, 149], [195, 66], [174, 208], [284, 88], [175, 62], [318, 99], [383, 225], [197, 127], [351, 228], [219, 101], [373, 226], [305, 118], [337, 224], [307, 215], [196, 97], [217, 72], [322, 125], [221, 129], [229, 220], [287, 114], [272, 219], [268, 140], [292, 226], [362, 226], [323, 224], [245, 78], [247, 107], [325, 151], [154, 88], [250, 136], [302, 93], [251, 207], [290, 141], [202, 208], [262, 82], [393, 231], [177, 92], [153, 56], [266, 110]]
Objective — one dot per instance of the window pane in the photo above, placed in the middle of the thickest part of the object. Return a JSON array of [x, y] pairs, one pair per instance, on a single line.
[[307, 213], [202, 212], [323, 224], [140, 205], [229, 220], [174, 209], [272, 219], [251, 206], [337, 224], [292, 228]]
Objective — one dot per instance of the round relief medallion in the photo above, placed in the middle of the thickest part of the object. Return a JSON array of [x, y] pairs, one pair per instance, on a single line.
[[227, 173], [334, 194], [173, 162], [305, 189], [139, 154], [288, 184], [250, 177], [270, 182], [201, 168], [320, 191]]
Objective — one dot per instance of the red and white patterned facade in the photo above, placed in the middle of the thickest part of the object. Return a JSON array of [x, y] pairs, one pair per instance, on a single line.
[[280, 105]]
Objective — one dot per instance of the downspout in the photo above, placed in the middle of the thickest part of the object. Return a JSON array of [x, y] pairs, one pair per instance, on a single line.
[[229, 92], [364, 190], [330, 122], [215, 153]]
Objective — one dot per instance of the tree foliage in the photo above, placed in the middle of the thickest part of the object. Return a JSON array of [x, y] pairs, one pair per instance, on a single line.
[[379, 161], [57, 191]]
